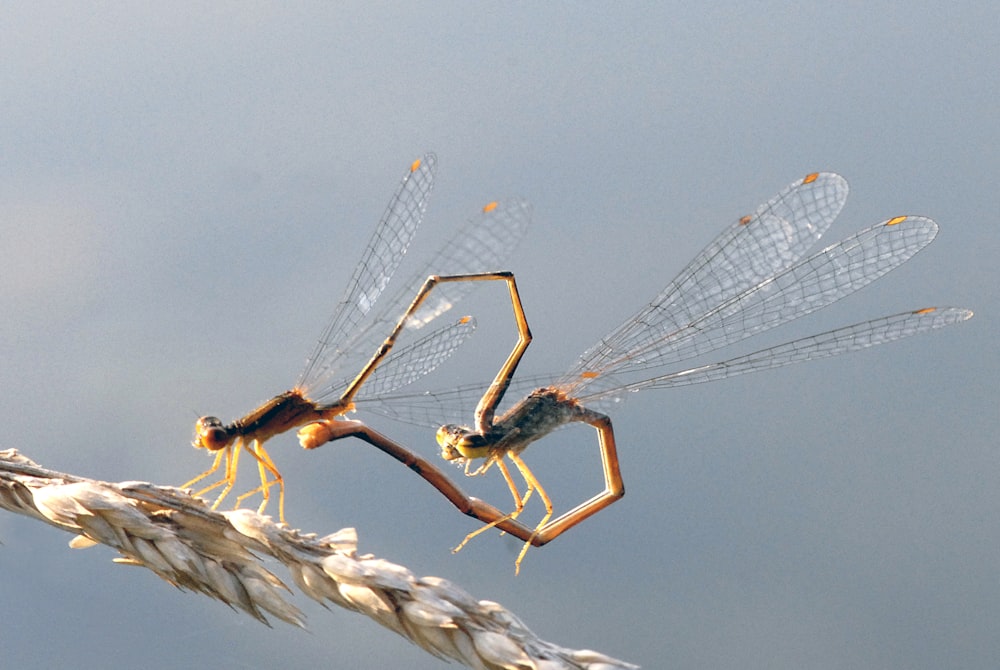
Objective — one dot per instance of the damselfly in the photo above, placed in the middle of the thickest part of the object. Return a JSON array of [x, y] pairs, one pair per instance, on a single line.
[[748, 280], [351, 361]]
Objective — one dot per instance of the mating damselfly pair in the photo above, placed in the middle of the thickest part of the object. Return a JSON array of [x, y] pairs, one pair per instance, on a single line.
[[753, 277]]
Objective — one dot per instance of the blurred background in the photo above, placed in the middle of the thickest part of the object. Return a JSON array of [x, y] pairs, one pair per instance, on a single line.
[[185, 191]]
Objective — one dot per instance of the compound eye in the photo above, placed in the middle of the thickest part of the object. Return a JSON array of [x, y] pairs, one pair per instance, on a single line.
[[447, 437], [209, 433], [444, 435]]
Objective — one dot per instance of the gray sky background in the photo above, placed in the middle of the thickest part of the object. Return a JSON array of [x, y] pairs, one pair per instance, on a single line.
[[184, 194]]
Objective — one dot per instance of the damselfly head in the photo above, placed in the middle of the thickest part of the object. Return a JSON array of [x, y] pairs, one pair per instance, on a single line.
[[209, 433], [458, 442]]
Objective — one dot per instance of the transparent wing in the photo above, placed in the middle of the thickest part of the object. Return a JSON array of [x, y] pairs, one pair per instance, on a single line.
[[832, 343], [454, 405], [746, 253], [432, 408], [379, 261], [483, 244], [407, 364], [815, 282], [731, 309]]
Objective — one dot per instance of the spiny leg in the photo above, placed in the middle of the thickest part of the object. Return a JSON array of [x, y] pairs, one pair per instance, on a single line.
[[533, 483], [232, 455], [206, 473], [519, 502], [265, 466]]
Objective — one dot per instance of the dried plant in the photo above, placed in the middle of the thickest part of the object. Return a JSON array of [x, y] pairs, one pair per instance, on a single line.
[[220, 554]]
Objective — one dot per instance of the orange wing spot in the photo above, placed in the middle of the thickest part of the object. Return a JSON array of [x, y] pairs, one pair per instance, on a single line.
[[465, 319], [590, 375], [415, 165], [893, 222], [926, 310], [745, 220], [810, 178], [490, 207]]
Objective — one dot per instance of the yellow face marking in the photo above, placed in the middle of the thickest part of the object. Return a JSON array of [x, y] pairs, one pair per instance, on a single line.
[[490, 207], [415, 165], [455, 446], [893, 222], [810, 178]]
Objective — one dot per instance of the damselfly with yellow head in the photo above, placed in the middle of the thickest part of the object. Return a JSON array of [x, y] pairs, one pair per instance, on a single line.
[[747, 281]]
